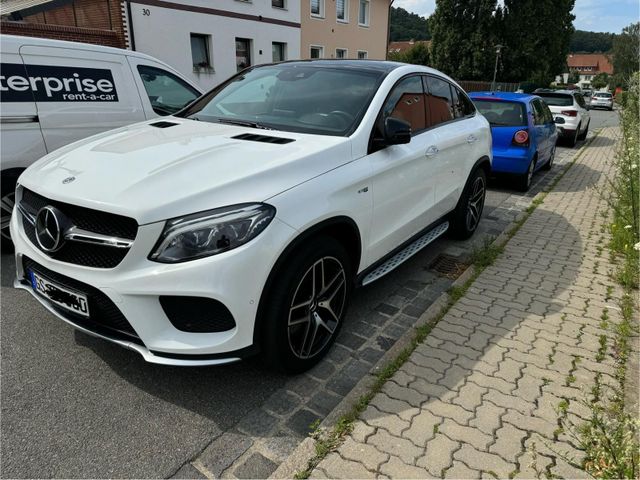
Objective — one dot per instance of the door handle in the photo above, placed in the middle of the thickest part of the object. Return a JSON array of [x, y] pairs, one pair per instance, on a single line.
[[472, 139], [431, 151]]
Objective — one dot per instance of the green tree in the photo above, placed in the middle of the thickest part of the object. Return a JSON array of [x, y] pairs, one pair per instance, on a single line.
[[536, 35], [573, 77], [591, 42], [464, 40], [600, 80], [625, 51], [404, 25]]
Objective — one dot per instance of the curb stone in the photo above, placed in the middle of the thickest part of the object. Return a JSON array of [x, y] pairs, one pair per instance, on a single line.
[[298, 460]]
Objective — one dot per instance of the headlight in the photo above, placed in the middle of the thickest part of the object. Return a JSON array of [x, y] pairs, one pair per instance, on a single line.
[[211, 232]]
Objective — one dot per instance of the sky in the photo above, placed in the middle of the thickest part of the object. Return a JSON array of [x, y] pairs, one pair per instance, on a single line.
[[594, 15]]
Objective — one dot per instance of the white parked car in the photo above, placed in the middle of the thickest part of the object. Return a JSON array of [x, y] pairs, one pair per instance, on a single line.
[[602, 100], [571, 113], [53, 93], [243, 222]]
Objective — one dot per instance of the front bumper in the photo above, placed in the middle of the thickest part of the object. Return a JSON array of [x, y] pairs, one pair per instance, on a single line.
[[234, 278]]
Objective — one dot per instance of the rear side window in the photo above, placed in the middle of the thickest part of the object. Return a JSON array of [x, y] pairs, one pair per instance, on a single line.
[[406, 102], [465, 105], [439, 101], [557, 99], [502, 113], [166, 91]]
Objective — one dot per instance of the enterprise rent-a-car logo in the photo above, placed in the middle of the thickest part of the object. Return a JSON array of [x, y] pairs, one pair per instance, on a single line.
[[48, 83]]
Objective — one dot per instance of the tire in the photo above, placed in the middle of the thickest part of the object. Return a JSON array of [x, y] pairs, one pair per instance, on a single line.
[[298, 311], [574, 139], [583, 135], [8, 186], [466, 216], [549, 164], [524, 180]]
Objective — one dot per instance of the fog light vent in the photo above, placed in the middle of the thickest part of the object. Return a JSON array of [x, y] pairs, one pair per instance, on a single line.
[[197, 314]]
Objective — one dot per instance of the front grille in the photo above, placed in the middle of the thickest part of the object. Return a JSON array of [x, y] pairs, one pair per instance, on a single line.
[[197, 314], [88, 255], [105, 317]]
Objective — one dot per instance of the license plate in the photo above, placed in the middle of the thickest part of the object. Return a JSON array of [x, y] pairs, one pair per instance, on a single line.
[[68, 299]]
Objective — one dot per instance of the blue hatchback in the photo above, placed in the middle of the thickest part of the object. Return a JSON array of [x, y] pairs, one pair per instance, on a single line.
[[524, 133]]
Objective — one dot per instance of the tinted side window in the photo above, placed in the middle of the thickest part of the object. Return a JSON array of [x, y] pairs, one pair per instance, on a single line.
[[548, 116], [538, 112], [167, 92], [439, 101], [406, 102], [462, 106], [468, 108]]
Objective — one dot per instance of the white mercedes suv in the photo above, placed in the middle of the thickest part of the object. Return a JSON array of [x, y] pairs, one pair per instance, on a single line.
[[242, 223]]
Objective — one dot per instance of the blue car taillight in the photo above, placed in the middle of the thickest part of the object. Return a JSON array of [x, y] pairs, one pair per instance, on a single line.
[[521, 138]]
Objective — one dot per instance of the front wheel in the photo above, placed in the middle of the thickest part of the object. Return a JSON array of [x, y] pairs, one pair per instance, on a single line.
[[307, 305], [466, 216]]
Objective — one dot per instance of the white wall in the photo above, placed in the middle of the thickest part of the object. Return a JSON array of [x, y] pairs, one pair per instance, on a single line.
[[165, 34]]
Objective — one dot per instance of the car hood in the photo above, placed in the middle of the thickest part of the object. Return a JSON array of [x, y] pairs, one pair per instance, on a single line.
[[152, 174]]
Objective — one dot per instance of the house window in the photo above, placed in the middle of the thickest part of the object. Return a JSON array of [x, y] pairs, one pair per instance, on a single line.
[[342, 10], [278, 51], [363, 16], [200, 51], [243, 53], [317, 8], [277, 3], [341, 53], [316, 52], [362, 55]]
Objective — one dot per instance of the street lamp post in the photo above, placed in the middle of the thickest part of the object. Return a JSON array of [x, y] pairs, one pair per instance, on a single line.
[[495, 70]]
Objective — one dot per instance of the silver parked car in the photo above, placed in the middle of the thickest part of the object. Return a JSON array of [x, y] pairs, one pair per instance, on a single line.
[[602, 100]]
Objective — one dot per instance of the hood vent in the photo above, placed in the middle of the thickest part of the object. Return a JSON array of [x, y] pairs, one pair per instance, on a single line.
[[163, 124], [252, 137]]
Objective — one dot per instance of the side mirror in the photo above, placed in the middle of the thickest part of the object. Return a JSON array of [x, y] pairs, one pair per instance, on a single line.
[[396, 131], [559, 120]]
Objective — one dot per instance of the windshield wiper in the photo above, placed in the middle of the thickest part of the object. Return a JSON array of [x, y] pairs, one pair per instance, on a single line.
[[244, 123]]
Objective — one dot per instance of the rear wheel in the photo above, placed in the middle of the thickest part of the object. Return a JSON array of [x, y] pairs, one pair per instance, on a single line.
[[574, 139], [9, 181], [524, 180], [467, 214], [549, 164], [583, 135], [307, 305]]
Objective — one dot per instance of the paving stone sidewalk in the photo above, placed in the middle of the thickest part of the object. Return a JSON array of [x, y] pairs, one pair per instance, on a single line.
[[480, 397]]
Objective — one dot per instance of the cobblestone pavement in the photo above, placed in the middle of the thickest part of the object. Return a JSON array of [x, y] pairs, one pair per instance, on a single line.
[[511, 361]]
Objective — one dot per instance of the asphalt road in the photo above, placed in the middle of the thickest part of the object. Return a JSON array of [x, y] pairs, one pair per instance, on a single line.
[[75, 406]]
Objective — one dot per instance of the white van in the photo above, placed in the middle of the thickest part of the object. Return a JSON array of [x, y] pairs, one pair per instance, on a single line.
[[53, 93]]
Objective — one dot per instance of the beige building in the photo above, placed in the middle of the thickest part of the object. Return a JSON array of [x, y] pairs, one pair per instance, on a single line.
[[344, 28]]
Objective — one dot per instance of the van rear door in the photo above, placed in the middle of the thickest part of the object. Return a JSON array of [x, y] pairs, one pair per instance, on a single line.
[[20, 137], [80, 92]]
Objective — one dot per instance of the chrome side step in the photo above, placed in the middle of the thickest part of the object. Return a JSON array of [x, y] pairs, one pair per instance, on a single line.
[[406, 253]]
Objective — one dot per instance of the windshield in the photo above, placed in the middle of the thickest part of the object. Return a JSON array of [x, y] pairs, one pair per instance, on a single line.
[[292, 97], [603, 95], [501, 113], [557, 99]]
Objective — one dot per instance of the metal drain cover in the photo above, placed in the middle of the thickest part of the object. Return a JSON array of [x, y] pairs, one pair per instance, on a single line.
[[448, 266]]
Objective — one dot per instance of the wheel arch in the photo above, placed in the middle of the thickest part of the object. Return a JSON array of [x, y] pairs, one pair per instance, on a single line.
[[342, 228]]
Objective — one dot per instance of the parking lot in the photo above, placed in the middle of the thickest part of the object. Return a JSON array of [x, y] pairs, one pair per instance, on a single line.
[[75, 406]]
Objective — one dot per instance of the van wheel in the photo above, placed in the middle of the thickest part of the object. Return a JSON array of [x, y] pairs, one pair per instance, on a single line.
[[8, 192], [466, 216], [307, 305]]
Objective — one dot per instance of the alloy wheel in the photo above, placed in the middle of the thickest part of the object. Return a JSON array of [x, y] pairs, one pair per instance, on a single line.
[[6, 206], [475, 204], [317, 307]]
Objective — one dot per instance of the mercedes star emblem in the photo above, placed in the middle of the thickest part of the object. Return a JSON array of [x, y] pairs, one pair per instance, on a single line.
[[50, 227]]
